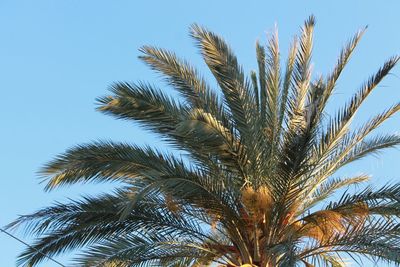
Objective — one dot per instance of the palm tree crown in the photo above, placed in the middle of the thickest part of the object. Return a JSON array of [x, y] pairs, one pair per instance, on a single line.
[[249, 187]]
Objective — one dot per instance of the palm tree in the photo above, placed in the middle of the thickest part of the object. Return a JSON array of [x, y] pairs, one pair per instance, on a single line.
[[252, 181]]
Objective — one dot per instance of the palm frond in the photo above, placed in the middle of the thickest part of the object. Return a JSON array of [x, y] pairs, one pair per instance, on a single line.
[[261, 61], [230, 77], [80, 223], [339, 126], [372, 146], [143, 251], [273, 83], [350, 144], [103, 161], [143, 103], [321, 192], [343, 59], [302, 70], [287, 82], [378, 239], [182, 76], [253, 76]]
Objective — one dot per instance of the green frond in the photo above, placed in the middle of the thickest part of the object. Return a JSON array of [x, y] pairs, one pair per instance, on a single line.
[[273, 85], [80, 223], [143, 103], [372, 146], [319, 192], [103, 161], [287, 82], [382, 203], [261, 61], [343, 59], [377, 239], [145, 251], [325, 260], [210, 136], [230, 77], [299, 133], [182, 76], [387, 194], [372, 83], [302, 70], [273, 80], [339, 126], [253, 76], [350, 145]]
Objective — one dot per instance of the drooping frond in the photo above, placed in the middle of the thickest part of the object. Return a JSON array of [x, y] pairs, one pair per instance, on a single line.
[[82, 223], [142, 102], [147, 251], [372, 146], [185, 79], [104, 161], [377, 239]]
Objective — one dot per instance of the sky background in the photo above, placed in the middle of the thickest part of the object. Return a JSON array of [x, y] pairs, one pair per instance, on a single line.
[[57, 56]]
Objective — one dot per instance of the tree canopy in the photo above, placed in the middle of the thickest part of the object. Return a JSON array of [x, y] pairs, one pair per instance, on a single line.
[[254, 179]]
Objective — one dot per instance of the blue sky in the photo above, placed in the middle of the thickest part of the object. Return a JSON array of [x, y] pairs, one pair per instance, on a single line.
[[56, 57]]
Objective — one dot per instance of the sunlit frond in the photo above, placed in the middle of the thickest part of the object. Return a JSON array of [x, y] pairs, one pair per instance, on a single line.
[[230, 77]]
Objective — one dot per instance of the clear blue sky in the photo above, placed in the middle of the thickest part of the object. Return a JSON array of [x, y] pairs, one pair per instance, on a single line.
[[56, 57]]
